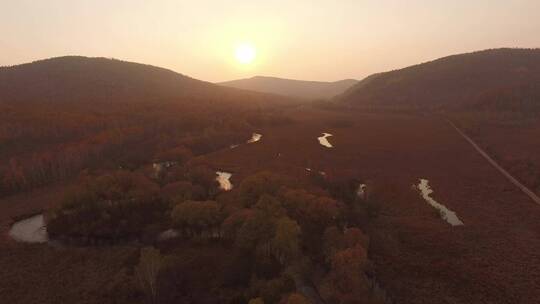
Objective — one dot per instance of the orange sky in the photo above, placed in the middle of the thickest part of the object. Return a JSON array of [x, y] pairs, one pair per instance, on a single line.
[[302, 39]]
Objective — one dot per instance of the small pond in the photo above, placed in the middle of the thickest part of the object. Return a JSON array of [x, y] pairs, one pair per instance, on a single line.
[[323, 140], [223, 179], [361, 191], [254, 138]]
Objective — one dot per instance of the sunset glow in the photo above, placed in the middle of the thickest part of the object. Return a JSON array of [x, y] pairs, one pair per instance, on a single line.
[[245, 53], [292, 152], [201, 38]]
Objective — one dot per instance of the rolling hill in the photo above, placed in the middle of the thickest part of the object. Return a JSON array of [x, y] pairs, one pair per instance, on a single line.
[[96, 80], [62, 115], [291, 87], [459, 81]]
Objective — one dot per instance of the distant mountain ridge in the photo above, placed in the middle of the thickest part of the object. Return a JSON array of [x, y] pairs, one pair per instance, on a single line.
[[291, 87], [101, 80], [458, 81]]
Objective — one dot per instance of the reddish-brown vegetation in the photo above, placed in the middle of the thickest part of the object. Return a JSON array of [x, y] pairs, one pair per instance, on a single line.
[[63, 115], [293, 223], [513, 139], [96, 81], [416, 255], [459, 81]]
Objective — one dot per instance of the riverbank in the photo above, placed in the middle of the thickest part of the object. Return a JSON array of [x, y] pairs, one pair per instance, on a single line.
[[416, 255]]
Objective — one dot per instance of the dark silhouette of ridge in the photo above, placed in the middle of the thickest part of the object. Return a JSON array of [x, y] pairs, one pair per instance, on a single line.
[[84, 79], [459, 81]]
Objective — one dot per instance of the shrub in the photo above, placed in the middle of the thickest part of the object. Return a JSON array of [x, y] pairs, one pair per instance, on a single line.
[[254, 186], [113, 206], [182, 191], [197, 218]]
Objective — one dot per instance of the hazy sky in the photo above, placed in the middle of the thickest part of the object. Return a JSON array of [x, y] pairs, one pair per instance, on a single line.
[[303, 39]]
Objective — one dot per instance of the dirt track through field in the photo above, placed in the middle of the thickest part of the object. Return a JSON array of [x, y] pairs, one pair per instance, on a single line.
[[512, 179], [417, 257]]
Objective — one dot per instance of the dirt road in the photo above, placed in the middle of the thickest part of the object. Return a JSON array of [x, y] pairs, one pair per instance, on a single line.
[[505, 173]]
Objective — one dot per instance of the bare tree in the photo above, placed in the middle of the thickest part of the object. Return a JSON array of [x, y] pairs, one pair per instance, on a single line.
[[147, 271]]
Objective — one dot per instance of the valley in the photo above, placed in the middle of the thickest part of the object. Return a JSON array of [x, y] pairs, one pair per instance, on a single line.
[[383, 194], [416, 254], [471, 263], [269, 152]]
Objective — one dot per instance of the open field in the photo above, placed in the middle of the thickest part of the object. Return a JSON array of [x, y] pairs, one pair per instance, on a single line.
[[515, 142], [419, 258]]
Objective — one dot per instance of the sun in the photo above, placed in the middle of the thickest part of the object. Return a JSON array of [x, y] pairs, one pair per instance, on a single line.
[[245, 53]]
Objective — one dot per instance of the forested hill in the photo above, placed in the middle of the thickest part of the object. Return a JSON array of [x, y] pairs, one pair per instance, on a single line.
[[459, 81], [97, 80], [61, 116]]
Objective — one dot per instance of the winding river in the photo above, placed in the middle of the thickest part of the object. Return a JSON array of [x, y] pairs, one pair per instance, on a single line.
[[30, 230], [446, 214]]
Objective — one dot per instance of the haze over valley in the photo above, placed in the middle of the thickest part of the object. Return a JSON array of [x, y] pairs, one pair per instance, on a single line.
[[380, 163], [290, 87]]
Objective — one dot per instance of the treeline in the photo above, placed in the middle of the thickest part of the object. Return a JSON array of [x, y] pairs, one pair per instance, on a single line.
[[524, 99], [124, 205], [453, 82], [281, 240], [40, 144]]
